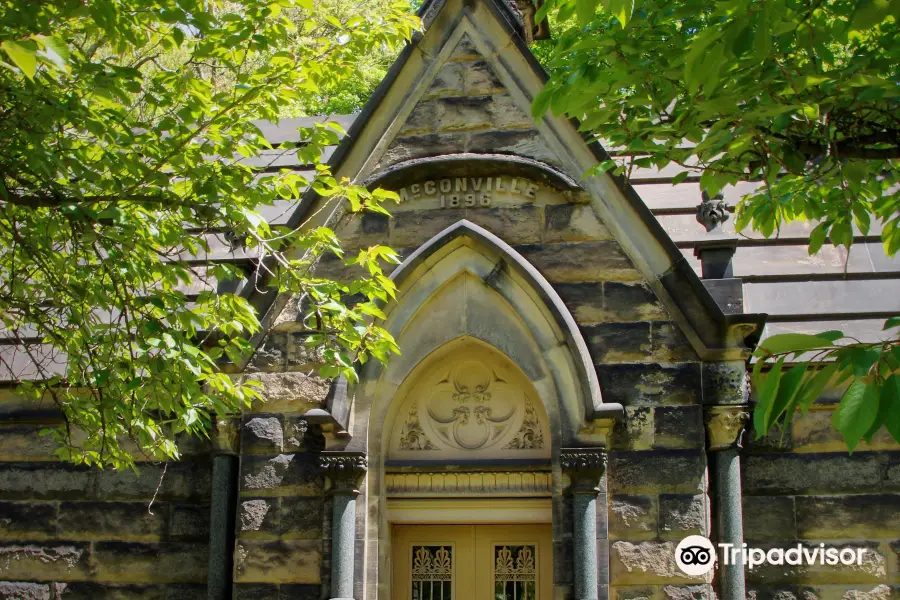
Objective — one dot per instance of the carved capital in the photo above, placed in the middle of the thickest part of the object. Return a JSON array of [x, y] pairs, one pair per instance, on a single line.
[[725, 426], [226, 438], [585, 467], [344, 469]]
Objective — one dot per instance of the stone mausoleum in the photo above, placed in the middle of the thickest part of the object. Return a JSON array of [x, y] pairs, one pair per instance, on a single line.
[[571, 401]]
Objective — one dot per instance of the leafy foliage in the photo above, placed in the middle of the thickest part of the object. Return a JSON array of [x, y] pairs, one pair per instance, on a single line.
[[872, 398], [128, 139], [801, 96]]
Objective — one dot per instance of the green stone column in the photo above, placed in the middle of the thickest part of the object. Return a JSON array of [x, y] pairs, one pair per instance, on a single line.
[[724, 430], [223, 504], [344, 470], [585, 468]]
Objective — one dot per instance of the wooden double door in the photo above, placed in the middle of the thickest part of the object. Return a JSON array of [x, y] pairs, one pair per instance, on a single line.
[[472, 562]]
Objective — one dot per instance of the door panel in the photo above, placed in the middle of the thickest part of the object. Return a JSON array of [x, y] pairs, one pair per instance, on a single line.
[[477, 562]]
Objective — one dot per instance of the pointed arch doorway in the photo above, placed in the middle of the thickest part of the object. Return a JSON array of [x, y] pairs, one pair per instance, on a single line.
[[468, 480]]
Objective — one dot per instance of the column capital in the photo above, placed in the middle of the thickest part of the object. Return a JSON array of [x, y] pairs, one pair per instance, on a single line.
[[345, 469], [226, 437], [585, 467], [725, 426]]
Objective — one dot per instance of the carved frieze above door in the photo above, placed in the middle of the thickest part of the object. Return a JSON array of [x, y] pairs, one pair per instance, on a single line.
[[469, 403]]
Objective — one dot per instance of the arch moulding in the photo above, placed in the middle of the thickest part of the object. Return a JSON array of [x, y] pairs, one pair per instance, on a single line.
[[493, 359]]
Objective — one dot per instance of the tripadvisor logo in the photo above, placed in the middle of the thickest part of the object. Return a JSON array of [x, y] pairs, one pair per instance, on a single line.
[[695, 555]]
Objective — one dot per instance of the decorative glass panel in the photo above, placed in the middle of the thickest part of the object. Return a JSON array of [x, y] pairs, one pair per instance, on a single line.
[[432, 573], [515, 573]]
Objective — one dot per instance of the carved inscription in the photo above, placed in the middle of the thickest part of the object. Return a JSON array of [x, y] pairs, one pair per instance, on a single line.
[[468, 192]]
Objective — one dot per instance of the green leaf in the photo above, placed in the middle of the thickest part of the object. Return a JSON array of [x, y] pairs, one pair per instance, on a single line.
[[815, 385], [24, 58], [622, 10], [791, 342], [869, 13], [767, 395], [857, 412], [787, 392], [584, 10], [891, 323], [817, 237], [890, 398], [680, 177]]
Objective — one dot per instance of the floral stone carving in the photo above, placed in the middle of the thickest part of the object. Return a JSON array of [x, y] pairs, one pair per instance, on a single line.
[[470, 406]]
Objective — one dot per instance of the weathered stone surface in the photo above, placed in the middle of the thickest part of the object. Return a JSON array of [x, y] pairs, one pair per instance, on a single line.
[[111, 521], [681, 515], [852, 516], [286, 591], [22, 442], [769, 518], [300, 356], [634, 592], [111, 591], [653, 342], [10, 590], [678, 427], [872, 570], [419, 146], [806, 473], [258, 515], [301, 518], [447, 81], [573, 223], [282, 475], [632, 517], [290, 392], [44, 481], [813, 432], [646, 562], [619, 342], [781, 593], [27, 521], [855, 592], [256, 591], [189, 523], [650, 384], [479, 78], [524, 142], [635, 431], [660, 471], [465, 50], [262, 434], [284, 561], [600, 302], [670, 344], [519, 225], [414, 227], [687, 592], [577, 262], [725, 383], [182, 480], [270, 356], [173, 562], [50, 561]]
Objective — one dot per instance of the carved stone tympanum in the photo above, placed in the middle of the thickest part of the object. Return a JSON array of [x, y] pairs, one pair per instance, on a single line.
[[471, 403]]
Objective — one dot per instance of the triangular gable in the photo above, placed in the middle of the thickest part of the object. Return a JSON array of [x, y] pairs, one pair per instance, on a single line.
[[490, 29]]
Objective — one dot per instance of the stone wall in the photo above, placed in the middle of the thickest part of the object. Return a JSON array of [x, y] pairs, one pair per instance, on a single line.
[[804, 487], [283, 525], [69, 533]]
